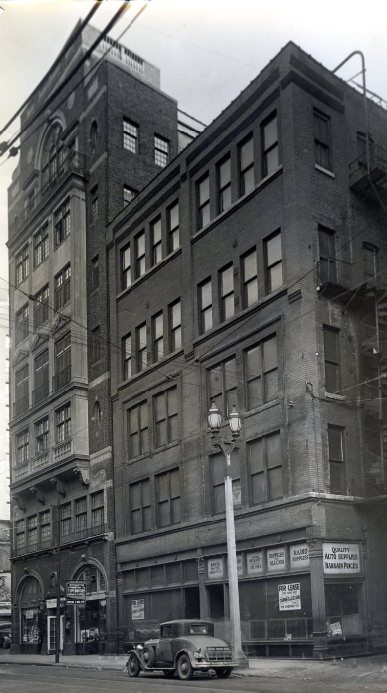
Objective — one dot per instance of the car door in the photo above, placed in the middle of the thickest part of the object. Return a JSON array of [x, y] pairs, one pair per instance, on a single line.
[[164, 649]]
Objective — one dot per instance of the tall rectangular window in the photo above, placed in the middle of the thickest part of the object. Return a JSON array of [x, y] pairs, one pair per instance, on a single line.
[[62, 287], [94, 203], [161, 146], [156, 240], [65, 519], [249, 278], [80, 514], [45, 527], [223, 380], [174, 311], [22, 447], [127, 357], [246, 165], [273, 262], [336, 459], [41, 303], [41, 436], [265, 468], [63, 423], [261, 373], [327, 251], [96, 339], [32, 531], [140, 506], [41, 246], [165, 417], [270, 151], [332, 358], [138, 434], [130, 136], [139, 244], [217, 473], [226, 293], [321, 132], [22, 265], [128, 194], [203, 202], [41, 377], [205, 306], [94, 273], [62, 223], [224, 185], [126, 268], [141, 348], [157, 337], [20, 537], [168, 498], [173, 227], [21, 390], [97, 509], [22, 323], [63, 361]]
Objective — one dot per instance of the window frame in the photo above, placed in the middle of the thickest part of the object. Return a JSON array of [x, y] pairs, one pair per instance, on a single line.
[[262, 377], [22, 318], [205, 309], [63, 423], [266, 468], [175, 327], [130, 136], [127, 356], [223, 179], [156, 239], [335, 461], [136, 412], [161, 148], [173, 228], [157, 328], [168, 421], [244, 169], [169, 501], [203, 208], [62, 287], [268, 168], [22, 265], [62, 222], [41, 249], [140, 255], [41, 306], [144, 506], [271, 286], [332, 363], [322, 140], [141, 348], [225, 294]]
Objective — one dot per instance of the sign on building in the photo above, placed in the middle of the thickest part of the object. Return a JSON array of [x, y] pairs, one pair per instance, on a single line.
[[215, 569], [254, 563], [289, 596], [138, 609], [341, 558], [276, 559], [239, 565], [299, 556], [75, 592]]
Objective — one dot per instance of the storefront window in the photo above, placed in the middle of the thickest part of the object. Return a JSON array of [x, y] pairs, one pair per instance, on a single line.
[[343, 609], [29, 611], [30, 627]]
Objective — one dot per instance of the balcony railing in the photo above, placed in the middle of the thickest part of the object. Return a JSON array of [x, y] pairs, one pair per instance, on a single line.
[[334, 272], [358, 174], [84, 533], [63, 450], [50, 542]]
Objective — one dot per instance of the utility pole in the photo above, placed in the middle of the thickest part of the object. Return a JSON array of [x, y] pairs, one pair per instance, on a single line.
[[60, 492]]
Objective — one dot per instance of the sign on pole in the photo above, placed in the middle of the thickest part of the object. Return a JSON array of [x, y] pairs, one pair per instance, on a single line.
[[75, 592]]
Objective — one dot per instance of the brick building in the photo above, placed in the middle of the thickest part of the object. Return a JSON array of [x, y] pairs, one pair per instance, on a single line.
[[251, 271], [83, 156]]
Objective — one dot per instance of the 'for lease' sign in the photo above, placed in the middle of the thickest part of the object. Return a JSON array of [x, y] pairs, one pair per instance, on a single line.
[[289, 596], [341, 558]]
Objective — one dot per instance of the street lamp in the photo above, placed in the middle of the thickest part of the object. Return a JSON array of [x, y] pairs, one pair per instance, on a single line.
[[227, 447]]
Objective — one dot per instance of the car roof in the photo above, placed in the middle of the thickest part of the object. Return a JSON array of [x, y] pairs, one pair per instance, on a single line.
[[185, 621]]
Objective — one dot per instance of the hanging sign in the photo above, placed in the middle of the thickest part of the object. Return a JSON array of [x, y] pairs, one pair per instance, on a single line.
[[289, 596], [138, 609], [215, 568], [299, 556], [75, 592], [276, 559], [254, 563], [341, 558]]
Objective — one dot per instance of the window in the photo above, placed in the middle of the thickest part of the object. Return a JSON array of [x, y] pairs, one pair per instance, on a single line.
[[22, 265], [157, 252], [127, 357], [80, 513], [165, 417], [203, 201], [332, 358], [97, 509], [139, 243], [20, 534], [22, 447], [65, 516], [175, 326], [63, 423], [217, 473], [141, 348], [29, 203], [21, 322], [45, 526], [130, 136], [93, 135], [41, 377], [161, 151], [249, 279], [21, 390], [157, 337], [95, 273], [173, 227], [138, 429], [273, 262], [328, 268], [246, 166], [226, 286], [41, 300], [32, 530], [336, 459], [261, 373], [265, 468], [63, 361], [129, 194], [94, 205], [41, 246], [41, 436], [168, 498], [96, 344], [140, 506], [63, 287], [321, 131], [223, 385], [270, 157], [205, 306], [126, 268], [362, 149], [62, 223], [224, 185]]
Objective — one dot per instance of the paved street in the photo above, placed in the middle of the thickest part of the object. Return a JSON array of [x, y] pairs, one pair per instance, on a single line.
[[346, 677]]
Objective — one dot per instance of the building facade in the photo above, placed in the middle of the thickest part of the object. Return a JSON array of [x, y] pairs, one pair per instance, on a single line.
[[5, 572], [250, 271]]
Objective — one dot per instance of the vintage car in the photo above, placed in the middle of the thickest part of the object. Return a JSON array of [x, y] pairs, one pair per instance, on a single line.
[[5, 634], [184, 646]]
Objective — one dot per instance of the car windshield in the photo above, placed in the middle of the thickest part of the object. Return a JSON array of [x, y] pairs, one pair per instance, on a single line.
[[198, 629]]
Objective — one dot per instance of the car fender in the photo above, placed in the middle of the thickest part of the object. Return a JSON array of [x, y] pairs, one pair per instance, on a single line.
[[188, 653], [137, 655]]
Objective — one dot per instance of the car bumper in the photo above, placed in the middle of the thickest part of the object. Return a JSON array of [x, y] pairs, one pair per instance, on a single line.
[[207, 664]]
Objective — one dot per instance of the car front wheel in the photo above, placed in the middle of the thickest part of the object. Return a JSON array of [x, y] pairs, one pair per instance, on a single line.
[[133, 666], [224, 672], [184, 668]]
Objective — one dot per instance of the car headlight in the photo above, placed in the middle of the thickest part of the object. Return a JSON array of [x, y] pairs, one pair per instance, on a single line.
[[198, 654]]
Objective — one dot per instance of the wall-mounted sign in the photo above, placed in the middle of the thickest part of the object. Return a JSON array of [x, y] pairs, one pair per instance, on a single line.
[[239, 565], [236, 494], [75, 592], [276, 559], [341, 558], [254, 563], [138, 609], [299, 556], [289, 596], [215, 569]]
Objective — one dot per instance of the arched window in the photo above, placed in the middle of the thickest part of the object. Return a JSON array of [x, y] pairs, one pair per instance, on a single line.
[[94, 579], [30, 595], [30, 591], [52, 156]]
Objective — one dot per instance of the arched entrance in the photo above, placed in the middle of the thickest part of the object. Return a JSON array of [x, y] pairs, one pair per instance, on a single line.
[[31, 616], [90, 618]]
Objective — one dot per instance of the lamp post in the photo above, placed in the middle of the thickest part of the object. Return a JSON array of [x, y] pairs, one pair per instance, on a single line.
[[227, 447]]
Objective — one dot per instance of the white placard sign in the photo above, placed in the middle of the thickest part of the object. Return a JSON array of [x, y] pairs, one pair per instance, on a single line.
[[239, 565], [215, 569], [289, 596], [138, 610], [276, 559], [254, 563], [341, 558], [299, 556]]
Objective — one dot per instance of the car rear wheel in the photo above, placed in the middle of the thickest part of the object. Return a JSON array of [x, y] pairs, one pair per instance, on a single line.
[[133, 666], [184, 668], [224, 672]]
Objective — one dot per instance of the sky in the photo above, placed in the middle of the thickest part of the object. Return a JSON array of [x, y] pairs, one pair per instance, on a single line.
[[207, 51]]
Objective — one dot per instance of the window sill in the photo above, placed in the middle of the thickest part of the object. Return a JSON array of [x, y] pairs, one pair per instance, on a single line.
[[262, 407], [333, 395], [147, 273], [326, 171], [149, 369]]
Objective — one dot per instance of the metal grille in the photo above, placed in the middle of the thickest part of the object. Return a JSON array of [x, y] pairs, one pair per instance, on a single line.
[[218, 654]]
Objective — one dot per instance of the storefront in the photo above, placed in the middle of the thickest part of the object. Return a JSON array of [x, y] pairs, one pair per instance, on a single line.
[[31, 606], [88, 621]]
